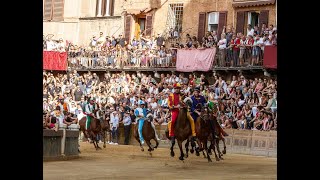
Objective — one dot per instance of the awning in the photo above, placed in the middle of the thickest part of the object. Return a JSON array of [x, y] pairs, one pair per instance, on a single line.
[[138, 11], [246, 3]]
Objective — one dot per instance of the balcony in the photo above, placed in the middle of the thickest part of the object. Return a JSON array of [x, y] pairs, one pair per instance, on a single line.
[[247, 3], [97, 61]]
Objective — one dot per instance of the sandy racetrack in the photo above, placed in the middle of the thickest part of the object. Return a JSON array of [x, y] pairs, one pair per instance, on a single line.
[[128, 162]]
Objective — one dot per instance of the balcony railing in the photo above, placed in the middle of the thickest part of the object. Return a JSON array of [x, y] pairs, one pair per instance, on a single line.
[[250, 58]]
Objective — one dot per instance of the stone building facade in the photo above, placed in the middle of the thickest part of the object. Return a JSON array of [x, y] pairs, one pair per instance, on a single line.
[[78, 20]]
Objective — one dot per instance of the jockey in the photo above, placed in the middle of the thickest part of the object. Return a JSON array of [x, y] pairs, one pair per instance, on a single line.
[[89, 110], [199, 101], [140, 113], [174, 105]]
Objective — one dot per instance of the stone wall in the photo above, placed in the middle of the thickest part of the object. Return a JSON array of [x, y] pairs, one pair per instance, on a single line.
[[248, 142]]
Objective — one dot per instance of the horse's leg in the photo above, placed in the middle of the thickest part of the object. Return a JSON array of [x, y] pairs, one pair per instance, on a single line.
[[104, 138], [198, 148], [181, 151], [224, 151], [192, 148], [218, 149], [206, 149], [149, 145], [138, 139], [171, 148], [157, 142], [209, 149], [214, 150], [187, 148]]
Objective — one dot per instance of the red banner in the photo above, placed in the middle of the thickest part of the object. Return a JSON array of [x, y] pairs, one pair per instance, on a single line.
[[270, 57], [189, 60], [53, 60]]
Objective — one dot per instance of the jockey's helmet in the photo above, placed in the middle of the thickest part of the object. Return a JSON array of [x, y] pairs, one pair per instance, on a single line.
[[177, 85]]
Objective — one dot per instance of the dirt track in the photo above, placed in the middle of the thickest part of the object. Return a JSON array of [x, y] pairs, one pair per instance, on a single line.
[[128, 162]]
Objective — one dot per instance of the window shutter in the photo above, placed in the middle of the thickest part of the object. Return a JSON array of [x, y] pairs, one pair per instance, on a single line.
[[58, 8], [222, 22], [97, 7], [149, 25], [127, 30], [240, 22], [47, 12], [103, 7], [202, 26], [111, 7], [263, 18]]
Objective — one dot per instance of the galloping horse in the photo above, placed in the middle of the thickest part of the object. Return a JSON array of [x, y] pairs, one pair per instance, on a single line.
[[93, 131], [203, 132], [147, 133], [221, 133], [105, 125], [182, 129]]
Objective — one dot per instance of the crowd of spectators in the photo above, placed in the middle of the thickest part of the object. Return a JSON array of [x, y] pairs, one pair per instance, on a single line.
[[248, 103], [103, 51]]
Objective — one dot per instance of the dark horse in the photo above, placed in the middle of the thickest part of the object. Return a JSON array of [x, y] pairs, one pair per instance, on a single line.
[[105, 125], [203, 132], [93, 131], [147, 133], [221, 133], [182, 129]]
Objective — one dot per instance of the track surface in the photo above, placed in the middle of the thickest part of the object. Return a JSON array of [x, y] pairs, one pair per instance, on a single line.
[[128, 162]]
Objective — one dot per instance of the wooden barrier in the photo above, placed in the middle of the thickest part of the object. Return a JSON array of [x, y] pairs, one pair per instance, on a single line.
[[60, 145]]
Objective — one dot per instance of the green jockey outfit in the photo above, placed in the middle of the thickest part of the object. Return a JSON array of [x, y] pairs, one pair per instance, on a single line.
[[89, 109]]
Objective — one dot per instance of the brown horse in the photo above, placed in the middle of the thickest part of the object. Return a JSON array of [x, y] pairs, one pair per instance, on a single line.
[[93, 131], [105, 125], [182, 129], [203, 131], [147, 133], [221, 133]]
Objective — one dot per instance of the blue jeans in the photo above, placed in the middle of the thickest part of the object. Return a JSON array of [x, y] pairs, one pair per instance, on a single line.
[[140, 125], [115, 135]]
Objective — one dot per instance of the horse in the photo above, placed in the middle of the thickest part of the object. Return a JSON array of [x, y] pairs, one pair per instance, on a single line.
[[105, 125], [182, 129], [93, 131], [203, 131], [147, 133], [221, 133]]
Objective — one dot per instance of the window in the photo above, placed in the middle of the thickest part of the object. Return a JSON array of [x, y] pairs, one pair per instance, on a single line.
[[53, 10], [253, 18], [104, 8], [175, 14], [142, 22], [213, 21]]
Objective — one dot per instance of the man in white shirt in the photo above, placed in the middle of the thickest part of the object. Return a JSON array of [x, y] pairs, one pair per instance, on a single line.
[[114, 125], [250, 30]]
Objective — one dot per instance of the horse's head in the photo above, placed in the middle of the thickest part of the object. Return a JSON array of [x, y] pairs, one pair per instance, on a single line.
[[205, 113], [188, 101], [150, 117]]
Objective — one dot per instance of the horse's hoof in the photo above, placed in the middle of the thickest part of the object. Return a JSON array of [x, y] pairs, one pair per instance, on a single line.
[[197, 153], [209, 160], [224, 152], [186, 156], [221, 158], [104, 146], [142, 150], [172, 154], [192, 151], [217, 159], [181, 158]]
